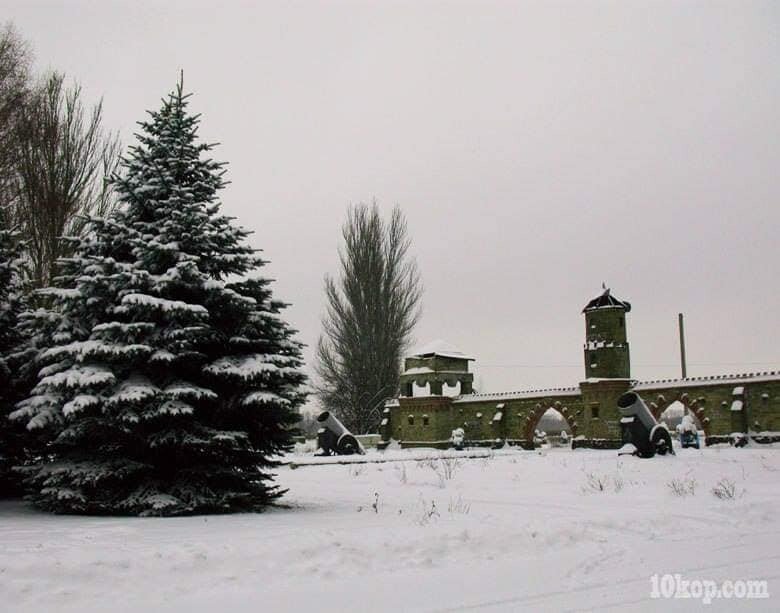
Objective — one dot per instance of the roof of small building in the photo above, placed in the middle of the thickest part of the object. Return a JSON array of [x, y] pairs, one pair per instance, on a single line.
[[440, 348], [605, 301]]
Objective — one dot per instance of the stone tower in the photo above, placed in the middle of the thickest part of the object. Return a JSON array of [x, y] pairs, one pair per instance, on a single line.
[[606, 340]]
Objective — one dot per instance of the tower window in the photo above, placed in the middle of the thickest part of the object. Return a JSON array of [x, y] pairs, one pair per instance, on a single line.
[[425, 420], [594, 411], [411, 420]]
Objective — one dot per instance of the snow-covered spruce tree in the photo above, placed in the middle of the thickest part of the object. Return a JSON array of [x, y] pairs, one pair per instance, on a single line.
[[12, 303], [171, 386]]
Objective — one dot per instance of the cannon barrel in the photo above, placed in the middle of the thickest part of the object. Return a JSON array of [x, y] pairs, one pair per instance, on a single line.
[[334, 438], [330, 422], [630, 404], [640, 428]]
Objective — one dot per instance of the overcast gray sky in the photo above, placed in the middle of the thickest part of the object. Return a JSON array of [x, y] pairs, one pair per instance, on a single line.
[[538, 149]]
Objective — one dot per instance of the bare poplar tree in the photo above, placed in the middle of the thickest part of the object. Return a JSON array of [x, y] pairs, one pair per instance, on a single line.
[[371, 311], [63, 157]]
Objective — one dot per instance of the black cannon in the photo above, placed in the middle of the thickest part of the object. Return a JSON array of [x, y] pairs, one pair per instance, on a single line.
[[640, 429], [334, 439]]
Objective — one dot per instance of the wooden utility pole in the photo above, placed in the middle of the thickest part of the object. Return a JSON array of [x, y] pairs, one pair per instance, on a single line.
[[682, 345]]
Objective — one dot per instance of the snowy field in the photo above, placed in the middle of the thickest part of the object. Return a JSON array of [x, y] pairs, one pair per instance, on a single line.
[[537, 531]]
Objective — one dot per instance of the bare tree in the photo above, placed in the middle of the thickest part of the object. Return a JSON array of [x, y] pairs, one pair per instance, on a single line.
[[63, 157], [371, 311], [15, 89]]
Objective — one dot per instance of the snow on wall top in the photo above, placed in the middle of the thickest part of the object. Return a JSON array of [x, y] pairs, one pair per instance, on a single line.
[[440, 348], [753, 377], [552, 391], [422, 370], [758, 377]]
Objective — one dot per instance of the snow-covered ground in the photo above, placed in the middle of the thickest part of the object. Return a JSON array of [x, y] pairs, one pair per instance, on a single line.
[[521, 531]]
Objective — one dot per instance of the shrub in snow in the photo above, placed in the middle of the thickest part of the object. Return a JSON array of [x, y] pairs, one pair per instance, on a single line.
[[427, 512], [449, 466], [13, 439], [169, 384], [444, 467], [459, 506], [595, 482], [725, 489], [682, 487]]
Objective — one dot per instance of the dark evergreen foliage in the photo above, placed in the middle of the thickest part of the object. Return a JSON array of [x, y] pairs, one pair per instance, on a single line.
[[170, 385], [12, 304]]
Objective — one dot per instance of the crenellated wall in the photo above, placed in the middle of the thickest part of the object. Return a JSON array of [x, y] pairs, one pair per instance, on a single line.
[[590, 411], [747, 403]]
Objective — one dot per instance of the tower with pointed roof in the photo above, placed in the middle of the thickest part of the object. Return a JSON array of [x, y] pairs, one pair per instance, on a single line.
[[606, 340]]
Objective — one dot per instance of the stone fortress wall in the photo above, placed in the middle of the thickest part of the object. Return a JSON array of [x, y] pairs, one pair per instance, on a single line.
[[724, 405]]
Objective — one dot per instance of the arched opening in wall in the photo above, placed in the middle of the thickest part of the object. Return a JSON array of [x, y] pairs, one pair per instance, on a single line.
[[679, 419], [453, 391], [552, 429], [421, 390], [672, 415]]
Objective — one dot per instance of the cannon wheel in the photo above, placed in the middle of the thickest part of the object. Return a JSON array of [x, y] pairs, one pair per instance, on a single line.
[[661, 441], [348, 444]]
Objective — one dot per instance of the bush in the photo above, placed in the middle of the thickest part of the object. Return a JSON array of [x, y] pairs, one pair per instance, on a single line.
[[682, 487], [595, 482], [444, 467], [459, 506], [725, 489]]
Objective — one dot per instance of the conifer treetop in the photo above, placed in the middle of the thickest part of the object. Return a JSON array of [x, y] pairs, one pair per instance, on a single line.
[[168, 188]]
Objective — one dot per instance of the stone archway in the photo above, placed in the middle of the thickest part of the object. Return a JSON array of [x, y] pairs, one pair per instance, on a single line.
[[532, 421], [695, 405], [449, 385]]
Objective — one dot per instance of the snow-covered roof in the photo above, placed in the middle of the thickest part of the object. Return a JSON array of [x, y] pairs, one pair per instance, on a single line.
[[541, 393], [607, 301], [638, 386], [440, 348], [422, 370], [753, 377]]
